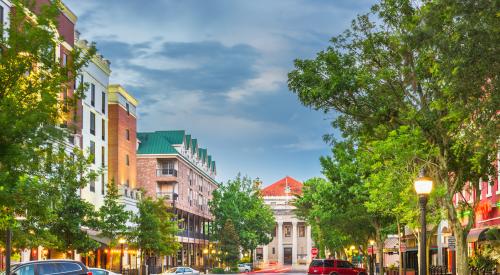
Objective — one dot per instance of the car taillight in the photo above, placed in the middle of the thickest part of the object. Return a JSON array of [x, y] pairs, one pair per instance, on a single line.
[[89, 273]]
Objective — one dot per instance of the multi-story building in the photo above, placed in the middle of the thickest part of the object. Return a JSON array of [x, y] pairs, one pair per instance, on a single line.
[[95, 122], [292, 242], [171, 165], [5, 6]]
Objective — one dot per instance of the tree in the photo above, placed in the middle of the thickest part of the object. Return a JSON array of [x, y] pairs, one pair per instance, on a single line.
[[239, 201], [32, 81], [156, 230], [428, 65], [113, 217], [230, 244]]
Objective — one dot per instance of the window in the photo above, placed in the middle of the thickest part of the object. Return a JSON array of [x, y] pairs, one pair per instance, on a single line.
[[92, 123], [103, 156], [92, 185], [344, 264], [103, 185], [127, 107], [26, 270], [92, 94], [1, 16], [92, 150], [127, 134], [103, 130], [316, 263], [489, 187], [64, 58], [329, 263], [274, 250], [69, 267], [288, 230], [302, 231], [103, 102], [127, 160]]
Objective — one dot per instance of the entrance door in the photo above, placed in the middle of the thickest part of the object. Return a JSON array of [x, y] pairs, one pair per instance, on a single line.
[[287, 255]]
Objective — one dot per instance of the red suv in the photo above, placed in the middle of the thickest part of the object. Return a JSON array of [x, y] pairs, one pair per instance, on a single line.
[[334, 267]]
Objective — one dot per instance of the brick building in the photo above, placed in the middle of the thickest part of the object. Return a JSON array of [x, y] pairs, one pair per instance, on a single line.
[[171, 165]]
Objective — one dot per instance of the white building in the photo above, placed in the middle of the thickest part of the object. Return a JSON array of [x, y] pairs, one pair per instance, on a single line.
[[95, 123], [292, 242]]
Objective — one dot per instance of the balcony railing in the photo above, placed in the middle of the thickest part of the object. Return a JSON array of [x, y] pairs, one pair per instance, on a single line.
[[165, 195], [162, 172]]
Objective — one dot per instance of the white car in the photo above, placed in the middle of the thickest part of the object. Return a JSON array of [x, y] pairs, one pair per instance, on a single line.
[[100, 271], [181, 270], [244, 268]]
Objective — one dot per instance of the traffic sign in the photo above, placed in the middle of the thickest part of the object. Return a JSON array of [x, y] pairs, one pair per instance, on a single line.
[[452, 243], [314, 252]]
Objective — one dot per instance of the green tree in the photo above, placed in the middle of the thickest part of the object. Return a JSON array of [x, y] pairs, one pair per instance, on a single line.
[[32, 81], [230, 244], [113, 217], [429, 65], [239, 201], [156, 230]]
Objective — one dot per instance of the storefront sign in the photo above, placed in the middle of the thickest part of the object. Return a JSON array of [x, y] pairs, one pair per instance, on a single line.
[[452, 243]]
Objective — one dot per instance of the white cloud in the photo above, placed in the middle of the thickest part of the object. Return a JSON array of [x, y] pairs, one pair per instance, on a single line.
[[268, 80]]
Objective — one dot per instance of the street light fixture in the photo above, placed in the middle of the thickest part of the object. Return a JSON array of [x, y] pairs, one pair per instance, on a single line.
[[122, 241], [423, 187], [372, 261]]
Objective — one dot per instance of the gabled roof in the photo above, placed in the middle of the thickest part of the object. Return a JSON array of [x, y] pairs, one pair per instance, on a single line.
[[188, 142], [173, 137], [280, 187]]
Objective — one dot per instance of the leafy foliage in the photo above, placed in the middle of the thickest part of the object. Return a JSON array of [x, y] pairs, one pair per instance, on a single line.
[[230, 244], [113, 217], [240, 202]]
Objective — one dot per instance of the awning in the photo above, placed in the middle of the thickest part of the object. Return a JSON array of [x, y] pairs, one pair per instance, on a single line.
[[477, 234], [96, 237]]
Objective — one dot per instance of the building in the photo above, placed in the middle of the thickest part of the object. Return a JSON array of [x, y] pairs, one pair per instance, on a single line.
[[172, 165], [292, 242], [95, 122], [5, 6]]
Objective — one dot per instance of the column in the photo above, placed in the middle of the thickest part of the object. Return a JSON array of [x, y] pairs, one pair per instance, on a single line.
[[265, 254], [295, 235], [308, 243], [280, 242]]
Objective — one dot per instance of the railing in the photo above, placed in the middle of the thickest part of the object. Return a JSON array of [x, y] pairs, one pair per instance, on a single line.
[[161, 172], [438, 270], [165, 195], [191, 234]]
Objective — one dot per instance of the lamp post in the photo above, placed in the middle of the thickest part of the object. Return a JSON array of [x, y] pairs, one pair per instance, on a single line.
[[8, 244], [213, 255], [205, 259], [122, 242], [372, 242], [423, 187]]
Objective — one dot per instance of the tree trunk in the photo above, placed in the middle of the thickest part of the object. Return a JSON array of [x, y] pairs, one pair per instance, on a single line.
[[399, 249], [380, 249]]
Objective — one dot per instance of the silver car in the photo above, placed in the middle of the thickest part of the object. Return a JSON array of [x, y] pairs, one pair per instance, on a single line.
[[181, 270]]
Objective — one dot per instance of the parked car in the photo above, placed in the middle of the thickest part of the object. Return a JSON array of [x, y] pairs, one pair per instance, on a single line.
[[244, 268], [181, 270], [60, 267], [334, 267], [100, 271]]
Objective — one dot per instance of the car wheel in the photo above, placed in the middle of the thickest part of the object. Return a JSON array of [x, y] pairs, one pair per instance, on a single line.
[[333, 273], [361, 273]]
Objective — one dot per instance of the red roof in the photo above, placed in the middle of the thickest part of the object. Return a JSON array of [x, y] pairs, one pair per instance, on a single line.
[[279, 188]]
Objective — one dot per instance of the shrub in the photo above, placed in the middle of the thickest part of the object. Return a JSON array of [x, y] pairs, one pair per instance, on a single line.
[[217, 270]]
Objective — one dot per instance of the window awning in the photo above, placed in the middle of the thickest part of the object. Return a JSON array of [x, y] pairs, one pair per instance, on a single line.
[[477, 234]]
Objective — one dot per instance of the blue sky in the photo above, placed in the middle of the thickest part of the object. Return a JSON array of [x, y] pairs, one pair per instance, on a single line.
[[218, 69]]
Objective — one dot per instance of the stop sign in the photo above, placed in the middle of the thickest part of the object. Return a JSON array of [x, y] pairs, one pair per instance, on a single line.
[[314, 252]]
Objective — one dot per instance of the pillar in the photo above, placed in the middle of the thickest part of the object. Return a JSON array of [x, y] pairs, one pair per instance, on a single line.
[[308, 243], [295, 235], [280, 242]]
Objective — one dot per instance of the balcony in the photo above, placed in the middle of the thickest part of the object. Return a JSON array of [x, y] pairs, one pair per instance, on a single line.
[[169, 196], [166, 172]]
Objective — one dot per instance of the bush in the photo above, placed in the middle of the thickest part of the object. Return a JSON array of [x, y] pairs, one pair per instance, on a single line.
[[217, 270], [235, 270], [482, 263]]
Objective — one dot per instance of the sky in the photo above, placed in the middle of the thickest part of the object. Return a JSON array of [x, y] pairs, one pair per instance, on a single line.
[[218, 69]]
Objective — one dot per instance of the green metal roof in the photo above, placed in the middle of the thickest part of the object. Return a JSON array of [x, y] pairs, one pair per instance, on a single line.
[[161, 142], [154, 143]]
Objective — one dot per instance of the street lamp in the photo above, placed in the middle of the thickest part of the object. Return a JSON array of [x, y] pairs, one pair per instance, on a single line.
[[122, 242], [8, 244], [372, 262], [205, 259], [423, 187]]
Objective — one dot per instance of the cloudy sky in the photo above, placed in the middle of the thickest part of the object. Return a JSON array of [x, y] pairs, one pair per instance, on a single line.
[[218, 69]]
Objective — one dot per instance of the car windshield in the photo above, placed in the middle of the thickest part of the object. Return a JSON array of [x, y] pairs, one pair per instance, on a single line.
[[172, 270]]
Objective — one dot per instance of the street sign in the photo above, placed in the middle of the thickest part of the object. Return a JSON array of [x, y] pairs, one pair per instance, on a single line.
[[371, 250], [314, 252], [452, 243]]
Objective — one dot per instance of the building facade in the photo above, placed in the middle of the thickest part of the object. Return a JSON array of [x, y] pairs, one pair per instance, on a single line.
[[292, 242], [171, 165], [95, 123]]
